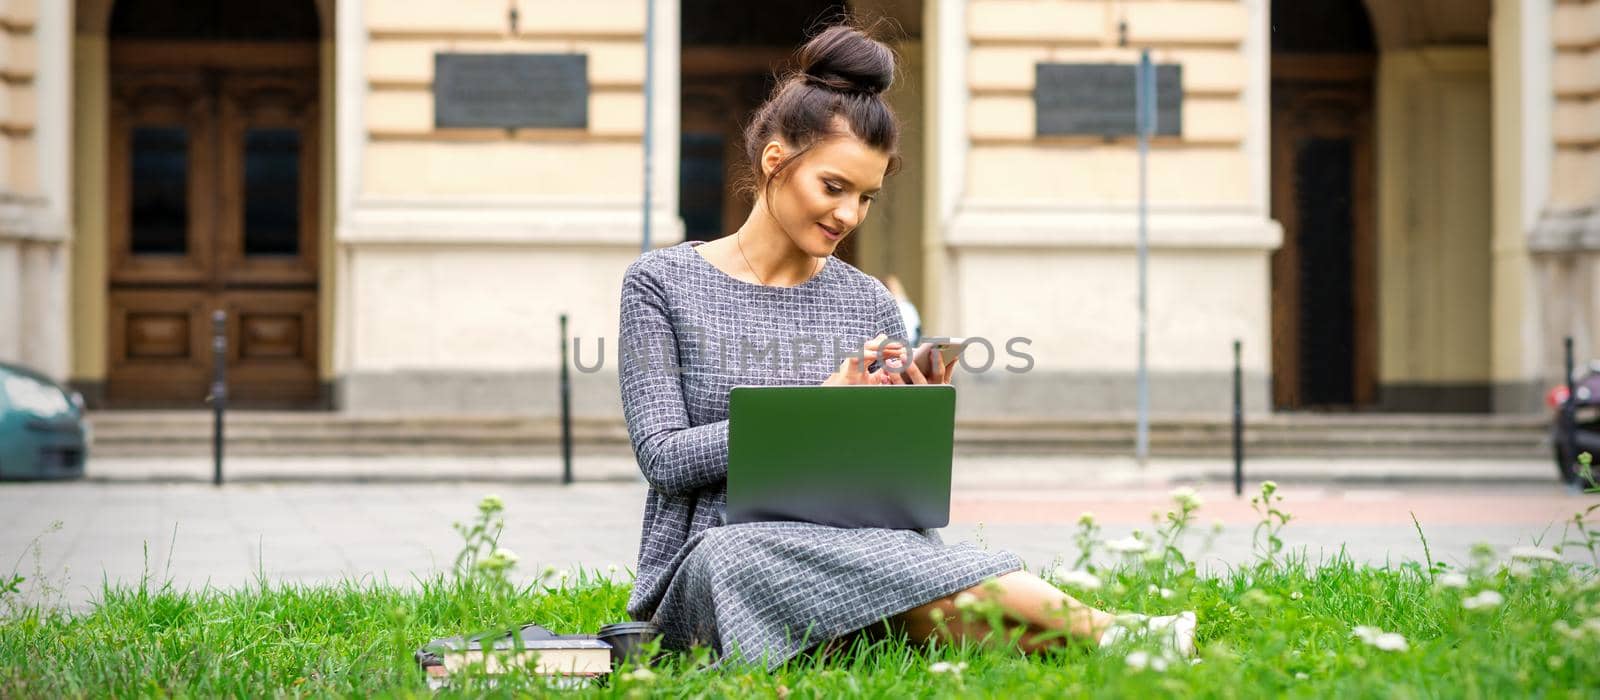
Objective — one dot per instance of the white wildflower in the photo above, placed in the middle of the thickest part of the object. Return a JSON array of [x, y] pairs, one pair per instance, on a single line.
[[1127, 545], [506, 555], [1535, 554], [1185, 496], [1518, 569], [1453, 580], [643, 675], [1138, 659], [947, 667], [1078, 578], [563, 575], [1086, 519], [611, 569], [1484, 599], [1142, 660], [1302, 676], [1367, 634], [1391, 641], [1159, 591], [1297, 595], [965, 600]]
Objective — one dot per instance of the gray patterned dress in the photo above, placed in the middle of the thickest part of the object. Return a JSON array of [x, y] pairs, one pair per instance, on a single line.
[[756, 591]]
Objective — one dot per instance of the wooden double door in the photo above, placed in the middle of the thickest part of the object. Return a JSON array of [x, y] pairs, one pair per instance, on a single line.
[[212, 205]]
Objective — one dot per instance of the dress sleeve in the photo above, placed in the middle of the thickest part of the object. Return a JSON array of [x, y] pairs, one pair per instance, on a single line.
[[674, 456]]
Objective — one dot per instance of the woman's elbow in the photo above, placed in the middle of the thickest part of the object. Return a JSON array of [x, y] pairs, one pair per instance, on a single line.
[[663, 480]]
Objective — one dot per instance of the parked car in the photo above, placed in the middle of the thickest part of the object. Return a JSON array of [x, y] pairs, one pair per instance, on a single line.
[[43, 433], [1576, 424]]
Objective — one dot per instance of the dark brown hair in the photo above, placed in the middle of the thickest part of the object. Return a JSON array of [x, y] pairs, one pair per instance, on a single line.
[[841, 79]]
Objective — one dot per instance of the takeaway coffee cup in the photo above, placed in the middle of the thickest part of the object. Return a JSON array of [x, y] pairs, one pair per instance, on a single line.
[[627, 640]]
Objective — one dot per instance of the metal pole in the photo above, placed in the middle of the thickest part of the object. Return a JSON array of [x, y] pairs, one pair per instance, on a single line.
[[649, 109], [1572, 387], [219, 389], [566, 409], [1145, 123], [1569, 420], [1238, 422]]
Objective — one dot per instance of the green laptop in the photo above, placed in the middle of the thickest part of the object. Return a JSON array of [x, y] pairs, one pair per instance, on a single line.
[[847, 456]]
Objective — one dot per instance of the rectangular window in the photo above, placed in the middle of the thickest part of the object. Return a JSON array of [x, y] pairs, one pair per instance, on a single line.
[[272, 192], [160, 199]]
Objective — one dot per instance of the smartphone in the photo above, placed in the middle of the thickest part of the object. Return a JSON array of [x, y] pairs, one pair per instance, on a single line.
[[949, 350]]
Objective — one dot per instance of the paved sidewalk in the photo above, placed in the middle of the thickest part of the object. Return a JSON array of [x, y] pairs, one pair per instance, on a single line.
[[197, 535], [971, 471]]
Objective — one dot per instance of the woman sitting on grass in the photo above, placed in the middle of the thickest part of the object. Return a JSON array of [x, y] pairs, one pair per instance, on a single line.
[[819, 149]]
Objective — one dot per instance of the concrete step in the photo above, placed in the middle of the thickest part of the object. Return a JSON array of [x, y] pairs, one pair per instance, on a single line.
[[189, 433]]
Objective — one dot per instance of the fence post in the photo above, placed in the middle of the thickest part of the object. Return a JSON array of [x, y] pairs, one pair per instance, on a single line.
[[1569, 419], [219, 389], [566, 409], [1238, 422]]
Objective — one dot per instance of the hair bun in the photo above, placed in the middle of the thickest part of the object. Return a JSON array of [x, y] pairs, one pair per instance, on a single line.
[[843, 59]]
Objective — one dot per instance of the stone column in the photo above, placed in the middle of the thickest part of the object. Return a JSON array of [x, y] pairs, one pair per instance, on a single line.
[[34, 192], [1564, 245], [1520, 54]]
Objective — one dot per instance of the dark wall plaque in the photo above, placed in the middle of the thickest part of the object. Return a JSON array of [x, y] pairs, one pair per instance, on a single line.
[[1097, 99], [511, 90]]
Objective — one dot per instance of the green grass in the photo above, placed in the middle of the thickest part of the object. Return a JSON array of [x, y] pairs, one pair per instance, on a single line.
[[1278, 628]]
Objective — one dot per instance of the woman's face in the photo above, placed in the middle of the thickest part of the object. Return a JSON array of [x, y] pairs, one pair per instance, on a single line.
[[823, 196]]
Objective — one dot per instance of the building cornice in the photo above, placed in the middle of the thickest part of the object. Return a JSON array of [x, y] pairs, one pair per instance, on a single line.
[[1021, 225]]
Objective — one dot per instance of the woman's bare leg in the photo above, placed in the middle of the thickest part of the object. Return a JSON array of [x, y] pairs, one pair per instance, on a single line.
[[1026, 600]]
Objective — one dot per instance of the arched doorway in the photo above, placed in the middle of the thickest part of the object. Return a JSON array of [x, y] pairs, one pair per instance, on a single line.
[[1324, 317], [730, 52], [212, 200]]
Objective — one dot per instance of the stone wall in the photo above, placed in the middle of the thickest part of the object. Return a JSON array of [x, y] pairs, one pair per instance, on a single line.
[[1043, 240], [1566, 244], [461, 247], [33, 225]]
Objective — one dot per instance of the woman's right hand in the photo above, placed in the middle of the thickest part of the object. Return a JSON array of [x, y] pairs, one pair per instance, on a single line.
[[853, 370]]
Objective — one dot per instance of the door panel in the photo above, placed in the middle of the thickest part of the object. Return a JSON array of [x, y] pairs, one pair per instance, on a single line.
[[272, 344], [1324, 240], [1324, 326], [159, 351], [268, 223], [162, 145]]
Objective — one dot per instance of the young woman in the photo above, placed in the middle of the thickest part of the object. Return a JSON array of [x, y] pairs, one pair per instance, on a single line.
[[700, 318]]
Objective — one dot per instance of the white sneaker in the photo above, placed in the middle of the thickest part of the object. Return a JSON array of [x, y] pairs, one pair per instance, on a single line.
[[1175, 633]]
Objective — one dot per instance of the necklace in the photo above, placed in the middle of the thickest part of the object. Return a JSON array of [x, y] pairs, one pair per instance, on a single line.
[[763, 282]]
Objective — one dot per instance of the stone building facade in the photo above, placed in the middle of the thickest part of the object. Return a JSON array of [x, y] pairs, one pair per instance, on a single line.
[[1393, 206]]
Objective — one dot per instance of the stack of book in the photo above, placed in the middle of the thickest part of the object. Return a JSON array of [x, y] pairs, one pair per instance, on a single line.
[[572, 659]]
